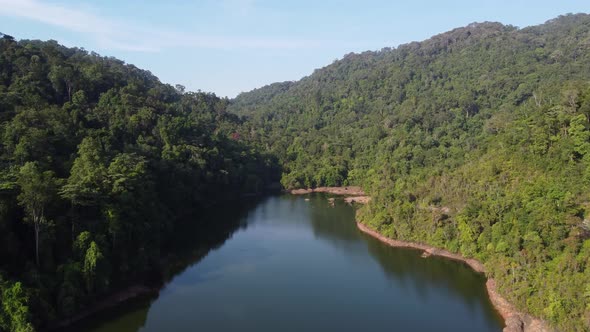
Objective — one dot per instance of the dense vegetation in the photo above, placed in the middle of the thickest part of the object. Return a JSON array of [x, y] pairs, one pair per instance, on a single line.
[[476, 140], [99, 163]]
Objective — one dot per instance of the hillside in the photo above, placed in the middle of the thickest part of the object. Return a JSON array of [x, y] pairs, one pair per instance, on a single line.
[[100, 163], [476, 140]]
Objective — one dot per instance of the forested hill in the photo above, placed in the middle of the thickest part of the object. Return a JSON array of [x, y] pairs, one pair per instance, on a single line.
[[476, 140], [99, 163]]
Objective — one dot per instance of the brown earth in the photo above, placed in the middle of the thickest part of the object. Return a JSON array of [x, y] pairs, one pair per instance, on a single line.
[[515, 321], [357, 199], [356, 194], [346, 191]]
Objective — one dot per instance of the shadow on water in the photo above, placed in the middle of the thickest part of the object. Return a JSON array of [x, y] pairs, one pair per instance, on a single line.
[[193, 240], [407, 267], [333, 225], [403, 265], [336, 223]]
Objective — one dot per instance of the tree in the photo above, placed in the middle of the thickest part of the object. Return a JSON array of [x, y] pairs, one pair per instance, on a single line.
[[37, 189], [579, 134], [129, 186], [87, 180], [14, 309], [88, 176], [136, 156], [62, 78], [93, 269]]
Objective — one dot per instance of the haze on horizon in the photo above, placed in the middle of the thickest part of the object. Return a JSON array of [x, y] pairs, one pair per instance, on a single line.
[[233, 46]]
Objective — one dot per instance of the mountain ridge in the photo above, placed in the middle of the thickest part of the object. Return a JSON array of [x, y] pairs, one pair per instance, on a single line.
[[477, 29], [488, 122]]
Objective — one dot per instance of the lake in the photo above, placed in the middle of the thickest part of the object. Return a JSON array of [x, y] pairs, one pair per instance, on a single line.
[[295, 263]]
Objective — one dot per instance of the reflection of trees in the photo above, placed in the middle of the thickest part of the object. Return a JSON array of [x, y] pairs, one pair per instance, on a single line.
[[333, 224], [193, 240], [406, 267], [132, 315]]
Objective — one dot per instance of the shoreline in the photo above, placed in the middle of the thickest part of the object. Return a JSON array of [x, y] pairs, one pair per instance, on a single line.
[[514, 320], [355, 194], [110, 301]]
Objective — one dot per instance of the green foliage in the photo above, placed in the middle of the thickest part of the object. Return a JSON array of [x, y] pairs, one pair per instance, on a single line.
[[86, 184], [476, 140], [103, 161], [71, 290], [95, 271], [15, 315], [580, 135], [37, 189]]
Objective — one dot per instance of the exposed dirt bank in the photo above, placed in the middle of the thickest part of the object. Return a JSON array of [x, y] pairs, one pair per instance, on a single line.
[[515, 321], [347, 191], [355, 194], [357, 199]]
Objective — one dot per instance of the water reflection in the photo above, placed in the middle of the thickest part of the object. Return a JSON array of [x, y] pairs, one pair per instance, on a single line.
[[194, 239], [405, 266], [291, 263]]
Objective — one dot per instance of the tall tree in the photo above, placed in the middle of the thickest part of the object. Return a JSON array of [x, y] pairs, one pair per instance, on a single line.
[[85, 186], [37, 189]]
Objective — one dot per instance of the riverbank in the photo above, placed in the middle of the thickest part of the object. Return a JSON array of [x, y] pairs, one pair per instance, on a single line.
[[354, 194], [110, 301], [515, 321], [350, 191]]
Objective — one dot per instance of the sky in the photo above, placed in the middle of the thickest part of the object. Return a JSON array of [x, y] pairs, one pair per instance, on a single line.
[[233, 46]]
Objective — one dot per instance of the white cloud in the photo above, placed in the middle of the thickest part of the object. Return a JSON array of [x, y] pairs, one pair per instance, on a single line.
[[112, 34]]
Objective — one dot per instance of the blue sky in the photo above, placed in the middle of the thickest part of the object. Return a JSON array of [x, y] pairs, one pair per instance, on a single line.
[[230, 46]]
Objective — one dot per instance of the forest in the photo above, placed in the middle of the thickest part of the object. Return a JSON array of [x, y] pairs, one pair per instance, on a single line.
[[476, 140], [100, 162]]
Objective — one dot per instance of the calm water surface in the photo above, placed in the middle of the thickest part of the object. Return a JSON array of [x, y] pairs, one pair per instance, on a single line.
[[291, 264]]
